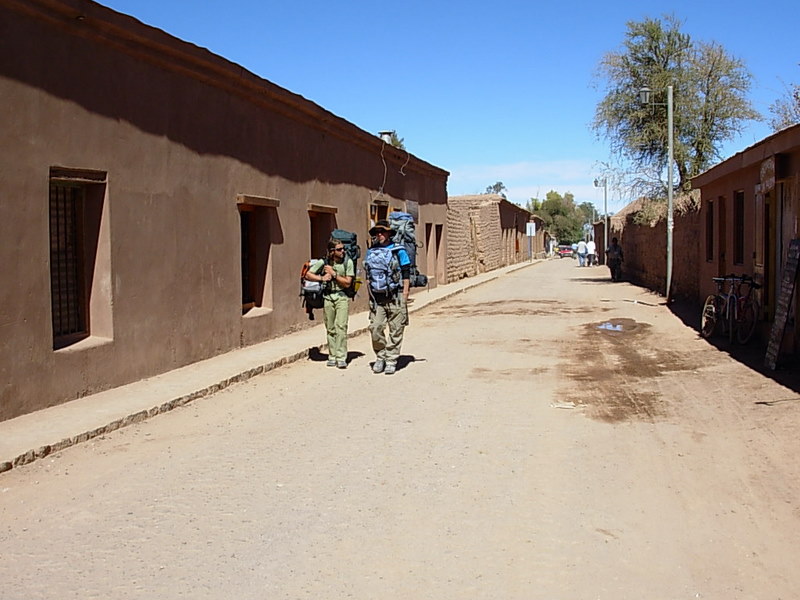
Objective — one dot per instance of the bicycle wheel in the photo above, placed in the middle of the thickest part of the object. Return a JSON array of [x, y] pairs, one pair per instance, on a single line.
[[730, 317], [708, 319], [748, 319], [722, 315]]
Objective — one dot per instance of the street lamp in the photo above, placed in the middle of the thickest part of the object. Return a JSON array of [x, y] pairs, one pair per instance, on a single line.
[[604, 184], [644, 98]]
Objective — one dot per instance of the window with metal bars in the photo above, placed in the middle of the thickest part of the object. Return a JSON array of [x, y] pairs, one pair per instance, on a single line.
[[248, 261], [76, 203], [67, 288]]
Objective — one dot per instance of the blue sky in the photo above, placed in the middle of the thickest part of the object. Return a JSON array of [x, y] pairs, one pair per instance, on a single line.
[[490, 91]]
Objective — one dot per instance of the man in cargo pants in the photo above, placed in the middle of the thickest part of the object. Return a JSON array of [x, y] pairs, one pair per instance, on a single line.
[[388, 270]]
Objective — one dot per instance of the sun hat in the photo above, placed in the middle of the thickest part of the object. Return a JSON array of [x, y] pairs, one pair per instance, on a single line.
[[380, 226]]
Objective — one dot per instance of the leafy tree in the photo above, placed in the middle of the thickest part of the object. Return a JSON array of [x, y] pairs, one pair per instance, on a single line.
[[709, 101], [786, 110], [533, 205], [562, 218], [497, 188], [586, 211]]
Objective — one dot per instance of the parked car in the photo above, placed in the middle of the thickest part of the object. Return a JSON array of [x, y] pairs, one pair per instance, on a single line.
[[565, 250]]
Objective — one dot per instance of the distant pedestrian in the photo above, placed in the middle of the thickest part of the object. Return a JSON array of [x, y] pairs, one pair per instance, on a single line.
[[582, 253], [614, 258], [591, 253]]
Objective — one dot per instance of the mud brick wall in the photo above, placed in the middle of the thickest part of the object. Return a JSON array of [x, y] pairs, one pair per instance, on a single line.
[[490, 237], [645, 248], [474, 236], [484, 232], [461, 254], [686, 256]]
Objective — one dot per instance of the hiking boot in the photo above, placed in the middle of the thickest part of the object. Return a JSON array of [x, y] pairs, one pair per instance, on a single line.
[[342, 364], [378, 366], [331, 362], [390, 369]]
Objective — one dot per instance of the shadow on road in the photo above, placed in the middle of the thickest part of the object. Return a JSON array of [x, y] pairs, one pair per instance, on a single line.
[[751, 354], [407, 359], [596, 281], [317, 355]]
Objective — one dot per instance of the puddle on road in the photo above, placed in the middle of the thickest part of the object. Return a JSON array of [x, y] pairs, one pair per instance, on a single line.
[[618, 327]]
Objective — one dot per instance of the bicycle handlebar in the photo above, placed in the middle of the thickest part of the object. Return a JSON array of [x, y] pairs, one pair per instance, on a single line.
[[744, 278]]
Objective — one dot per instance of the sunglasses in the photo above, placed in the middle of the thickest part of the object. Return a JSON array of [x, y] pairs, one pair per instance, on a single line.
[[338, 249]]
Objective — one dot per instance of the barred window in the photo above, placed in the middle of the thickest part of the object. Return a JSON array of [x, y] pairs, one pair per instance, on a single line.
[[67, 288], [76, 205]]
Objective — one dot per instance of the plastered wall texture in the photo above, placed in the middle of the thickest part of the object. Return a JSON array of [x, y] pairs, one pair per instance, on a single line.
[[175, 142]]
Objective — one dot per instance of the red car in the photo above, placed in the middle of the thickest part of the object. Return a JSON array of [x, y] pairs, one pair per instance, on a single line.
[[565, 250]]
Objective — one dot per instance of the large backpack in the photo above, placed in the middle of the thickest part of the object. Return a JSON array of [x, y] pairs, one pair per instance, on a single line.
[[353, 250], [383, 271], [310, 291], [402, 223]]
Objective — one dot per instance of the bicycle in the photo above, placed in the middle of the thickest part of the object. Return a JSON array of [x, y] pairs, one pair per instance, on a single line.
[[735, 310], [747, 309]]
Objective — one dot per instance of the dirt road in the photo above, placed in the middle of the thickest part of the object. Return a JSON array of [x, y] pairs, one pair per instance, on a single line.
[[550, 436]]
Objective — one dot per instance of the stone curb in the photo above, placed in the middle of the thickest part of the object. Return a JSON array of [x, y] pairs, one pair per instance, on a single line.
[[138, 417]]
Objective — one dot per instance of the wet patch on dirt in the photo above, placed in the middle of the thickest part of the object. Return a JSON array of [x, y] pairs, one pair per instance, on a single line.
[[511, 307], [483, 373], [620, 350], [521, 346]]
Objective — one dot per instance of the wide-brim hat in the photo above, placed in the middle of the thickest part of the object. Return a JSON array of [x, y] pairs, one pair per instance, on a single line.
[[380, 226]]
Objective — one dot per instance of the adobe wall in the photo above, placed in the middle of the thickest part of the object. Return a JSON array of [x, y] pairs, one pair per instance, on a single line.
[[180, 136], [686, 256], [461, 238], [489, 239], [645, 248], [485, 232], [645, 253], [538, 243], [513, 224]]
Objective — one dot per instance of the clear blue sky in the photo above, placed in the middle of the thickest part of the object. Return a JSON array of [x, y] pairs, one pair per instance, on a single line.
[[490, 91]]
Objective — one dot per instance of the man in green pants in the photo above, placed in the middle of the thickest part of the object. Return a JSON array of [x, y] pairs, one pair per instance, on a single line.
[[336, 273]]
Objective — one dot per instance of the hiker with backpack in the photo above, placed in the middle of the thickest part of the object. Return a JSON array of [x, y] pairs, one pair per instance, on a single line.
[[388, 269], [336, 274]]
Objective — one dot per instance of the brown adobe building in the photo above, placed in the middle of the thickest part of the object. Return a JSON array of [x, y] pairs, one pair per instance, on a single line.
[[158, 201], [750, 211]]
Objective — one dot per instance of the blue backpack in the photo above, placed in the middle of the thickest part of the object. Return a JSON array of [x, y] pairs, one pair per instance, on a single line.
[[383, 271], [405, 235]]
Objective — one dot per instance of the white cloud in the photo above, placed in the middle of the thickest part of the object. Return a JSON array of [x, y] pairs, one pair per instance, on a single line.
[[525, 180]]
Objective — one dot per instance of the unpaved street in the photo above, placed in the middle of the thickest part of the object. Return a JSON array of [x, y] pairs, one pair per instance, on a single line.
[[550, 436]]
